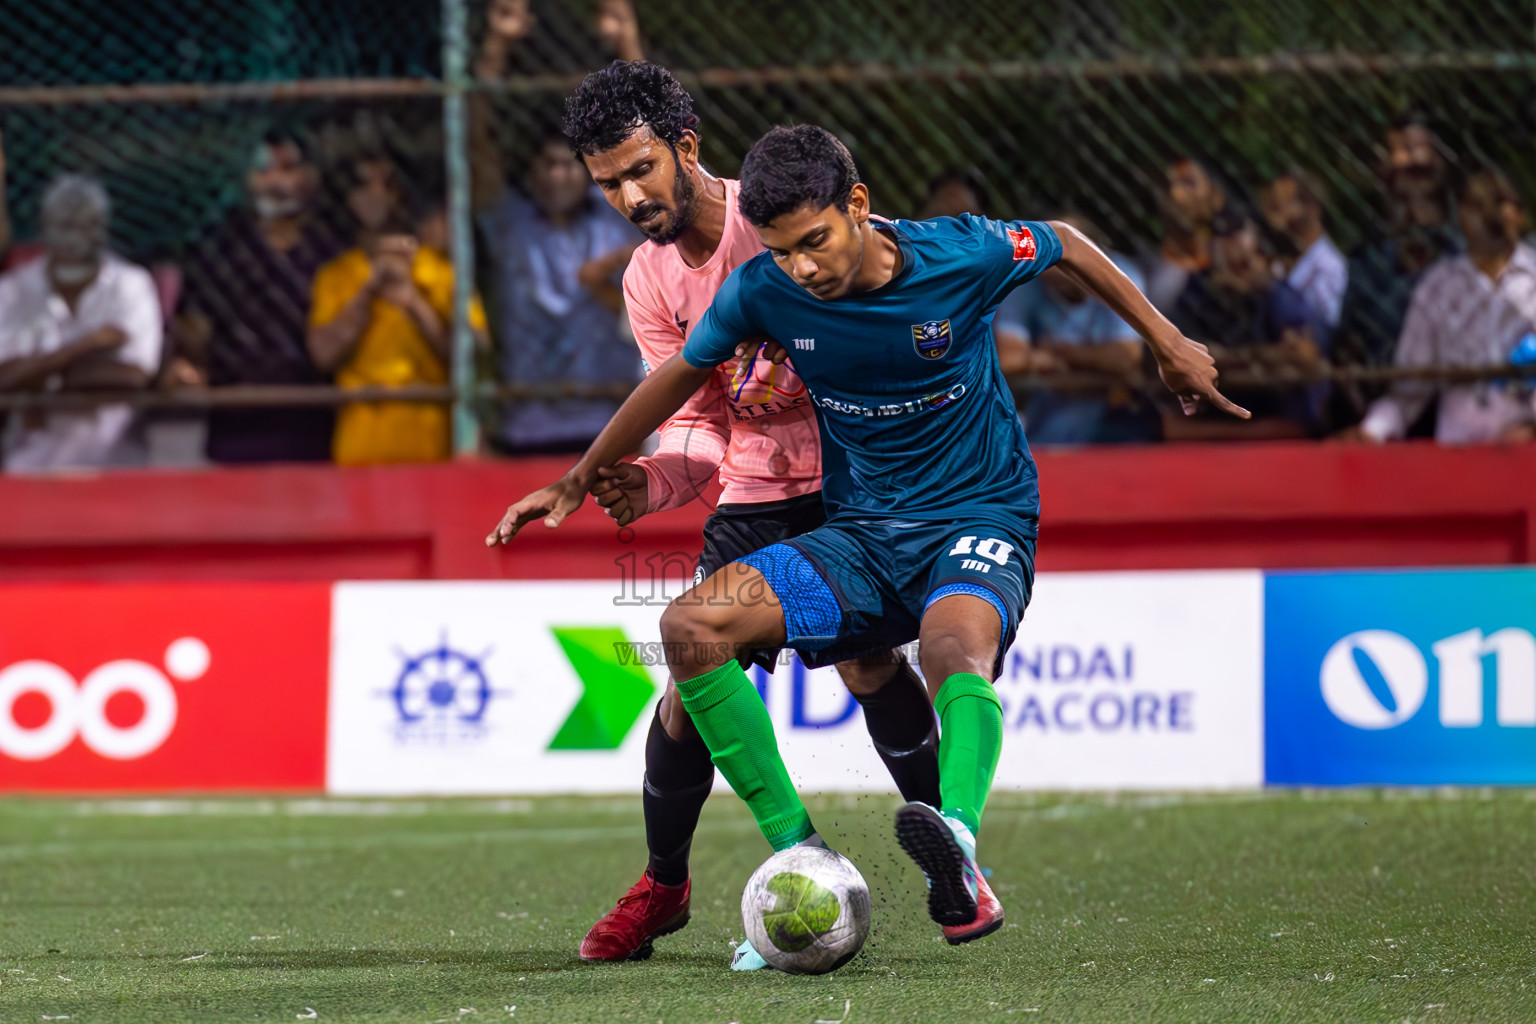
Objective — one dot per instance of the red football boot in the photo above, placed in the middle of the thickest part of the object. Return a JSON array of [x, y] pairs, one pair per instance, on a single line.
[[648, 911], [989, 916], [959, 898]]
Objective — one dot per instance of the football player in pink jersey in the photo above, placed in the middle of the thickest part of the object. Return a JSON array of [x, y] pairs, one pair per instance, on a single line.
[[753, 424]]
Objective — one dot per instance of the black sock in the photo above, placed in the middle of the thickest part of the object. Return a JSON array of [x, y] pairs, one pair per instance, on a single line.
[[678, 777], [900, 720]]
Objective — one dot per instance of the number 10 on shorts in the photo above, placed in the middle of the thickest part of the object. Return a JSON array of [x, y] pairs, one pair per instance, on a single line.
[[990, 548]]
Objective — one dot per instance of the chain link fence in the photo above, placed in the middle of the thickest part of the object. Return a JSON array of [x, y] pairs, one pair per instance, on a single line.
[[1080, 105], [166, 101], [1056, 106]]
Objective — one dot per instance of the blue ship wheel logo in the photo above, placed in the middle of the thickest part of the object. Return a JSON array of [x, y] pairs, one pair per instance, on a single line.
[[440, 684]]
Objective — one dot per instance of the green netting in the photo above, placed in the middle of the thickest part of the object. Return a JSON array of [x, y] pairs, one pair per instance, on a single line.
[[1059, 104], [173, 167], [78, 42], [1072, 104]]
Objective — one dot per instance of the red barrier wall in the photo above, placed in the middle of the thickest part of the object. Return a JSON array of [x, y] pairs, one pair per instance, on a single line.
[[1263, 506]]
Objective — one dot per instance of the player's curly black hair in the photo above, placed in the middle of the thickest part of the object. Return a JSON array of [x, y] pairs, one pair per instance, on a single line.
[[614, 102], [794, 167]]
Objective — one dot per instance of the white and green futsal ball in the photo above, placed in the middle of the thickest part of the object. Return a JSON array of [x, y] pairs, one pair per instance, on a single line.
[[806, 910]]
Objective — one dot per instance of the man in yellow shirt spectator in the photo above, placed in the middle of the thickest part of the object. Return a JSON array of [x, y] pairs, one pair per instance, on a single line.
[[381, 316]]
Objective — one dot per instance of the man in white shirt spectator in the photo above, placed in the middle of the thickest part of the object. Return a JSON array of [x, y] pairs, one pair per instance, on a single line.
[[1468, 310], [80, 319], [1293, 207]]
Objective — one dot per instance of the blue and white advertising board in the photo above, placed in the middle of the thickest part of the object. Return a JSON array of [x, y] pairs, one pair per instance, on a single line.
[[1418, 678]]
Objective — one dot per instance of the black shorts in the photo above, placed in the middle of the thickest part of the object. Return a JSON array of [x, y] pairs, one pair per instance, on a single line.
[[734, 531]]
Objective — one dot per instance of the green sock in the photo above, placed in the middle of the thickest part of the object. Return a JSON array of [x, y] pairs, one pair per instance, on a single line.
[[970, 741], [731, 718]]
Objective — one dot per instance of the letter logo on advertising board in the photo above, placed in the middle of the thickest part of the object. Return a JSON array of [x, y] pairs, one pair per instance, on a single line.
[[1135, 681], [1423, 678], [1398, 664], [81, 710], [163, 686]]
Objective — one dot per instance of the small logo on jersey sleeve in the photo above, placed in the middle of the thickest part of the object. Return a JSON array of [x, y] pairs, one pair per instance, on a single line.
[[931, 339], [1023, 241]]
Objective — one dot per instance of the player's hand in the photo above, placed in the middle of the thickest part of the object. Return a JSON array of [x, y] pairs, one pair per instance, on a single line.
[[552, 504], [763, 347], [622, 491], [1189, 372]]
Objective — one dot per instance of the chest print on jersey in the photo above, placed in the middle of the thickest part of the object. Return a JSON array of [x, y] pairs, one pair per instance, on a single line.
[[757, 381], [931, 339]]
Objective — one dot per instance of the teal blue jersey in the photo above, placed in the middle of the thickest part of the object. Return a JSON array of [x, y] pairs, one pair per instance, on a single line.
[[916, 419]]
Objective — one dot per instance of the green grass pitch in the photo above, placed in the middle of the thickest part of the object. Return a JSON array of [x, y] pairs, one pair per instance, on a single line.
[[1347, 906]]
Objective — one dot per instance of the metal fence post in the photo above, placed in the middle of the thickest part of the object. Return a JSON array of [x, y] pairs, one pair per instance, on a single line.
[[466, 428]]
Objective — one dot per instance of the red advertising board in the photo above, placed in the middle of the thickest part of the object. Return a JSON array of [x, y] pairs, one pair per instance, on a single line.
[[164, 686]]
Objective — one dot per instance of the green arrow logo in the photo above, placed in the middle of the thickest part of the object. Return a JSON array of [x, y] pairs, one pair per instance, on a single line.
[[613, 694]]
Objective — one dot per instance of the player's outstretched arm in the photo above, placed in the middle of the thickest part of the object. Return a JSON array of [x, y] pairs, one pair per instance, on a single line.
[[1186, 366], [660, 395]]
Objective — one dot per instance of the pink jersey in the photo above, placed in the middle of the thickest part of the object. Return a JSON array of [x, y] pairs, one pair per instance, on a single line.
[[755, 424]]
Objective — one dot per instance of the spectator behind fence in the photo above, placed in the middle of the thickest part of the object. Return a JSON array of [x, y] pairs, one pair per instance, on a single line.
[[80, 319], [246, 305], [559, 256], [1190, 198], [1070, 331], [1293, 206], [1471, 309], [1253, 322], [964, 190], [1419, 228], [954, 192], [382, 317], [557, 252], [5, 213]]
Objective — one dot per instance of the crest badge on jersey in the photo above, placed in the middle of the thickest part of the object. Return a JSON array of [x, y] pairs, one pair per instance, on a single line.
[[1023, 241], [931, 339]]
